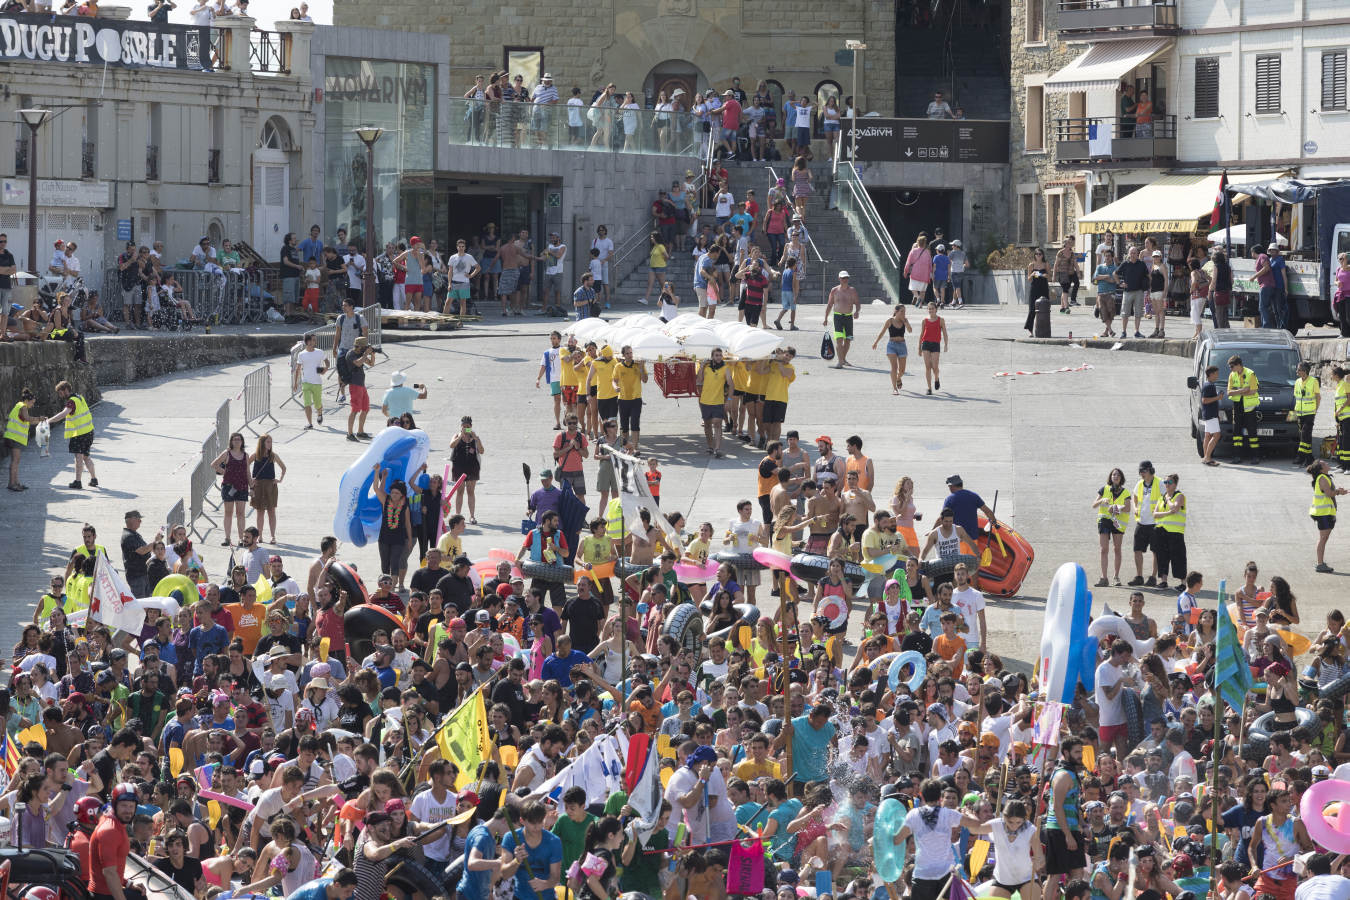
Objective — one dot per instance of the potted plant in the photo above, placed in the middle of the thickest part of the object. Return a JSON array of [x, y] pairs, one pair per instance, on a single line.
[[1008, 266]]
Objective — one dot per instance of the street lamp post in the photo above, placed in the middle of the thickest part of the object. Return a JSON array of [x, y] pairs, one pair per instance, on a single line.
[[857, 47], [369, 134], [33, 118]]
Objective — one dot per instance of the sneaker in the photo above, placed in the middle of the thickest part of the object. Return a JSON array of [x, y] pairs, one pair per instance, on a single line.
[[1323, 567], [643, 300], [1102, 582], [1138, 334], [93, 482], [352, 437], [363, 436], [1151, 582], [718, 454], [76, 485], [308, 427], [794, 328], [1136, 581], [937, 383], [1162, 584], [320, 418]]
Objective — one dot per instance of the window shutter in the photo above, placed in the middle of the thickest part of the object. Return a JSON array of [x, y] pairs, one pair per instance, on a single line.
[[1268, 84], [1207, 87], [1333, 80]]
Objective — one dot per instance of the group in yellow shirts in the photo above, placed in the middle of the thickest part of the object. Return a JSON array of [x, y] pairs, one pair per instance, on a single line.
[[751, 394]]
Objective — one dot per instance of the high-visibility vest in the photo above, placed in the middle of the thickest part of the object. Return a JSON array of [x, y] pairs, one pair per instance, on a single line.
[[1306, 391], [1154, 492], [1174, 522], [1323, 503], [1343, 399], [16, 429], [81, 421], [1114, 498], [1241, 381]]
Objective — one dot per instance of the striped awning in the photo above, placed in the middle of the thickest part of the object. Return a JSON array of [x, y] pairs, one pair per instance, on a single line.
[[1102, 65]]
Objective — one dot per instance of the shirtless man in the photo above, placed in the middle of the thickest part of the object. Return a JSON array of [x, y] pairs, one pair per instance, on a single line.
[[512, 258], [825, 508], [846, 307], [857, 503]]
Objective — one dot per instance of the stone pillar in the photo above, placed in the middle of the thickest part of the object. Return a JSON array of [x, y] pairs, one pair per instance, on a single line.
[[235, 30], [114, 12], [296, 37]]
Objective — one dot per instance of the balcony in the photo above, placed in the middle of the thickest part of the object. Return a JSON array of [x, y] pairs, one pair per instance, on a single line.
[[88, 159], [1108, 143], [213, 167], [530, 126], [1107, 19], [269, 52], [152, 162]]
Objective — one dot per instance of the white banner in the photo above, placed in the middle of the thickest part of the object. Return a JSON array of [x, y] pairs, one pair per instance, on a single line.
[[598, 771]]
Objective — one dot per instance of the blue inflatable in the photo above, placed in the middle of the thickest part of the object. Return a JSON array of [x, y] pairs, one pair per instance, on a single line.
[[1068, 652], [908, 658], [402, 452], [888, 855]]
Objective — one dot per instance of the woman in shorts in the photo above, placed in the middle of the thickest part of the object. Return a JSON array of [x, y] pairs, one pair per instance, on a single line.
[[232, 468], [263, 481], [932, 342], [919, 269], [1113, 511], [658, 254], [1323, 509], [1199, 294], [897, 351]]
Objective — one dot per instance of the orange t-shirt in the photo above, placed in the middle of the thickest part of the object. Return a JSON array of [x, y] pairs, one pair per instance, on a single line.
[[651, 718], [248, 624], [953, 650]]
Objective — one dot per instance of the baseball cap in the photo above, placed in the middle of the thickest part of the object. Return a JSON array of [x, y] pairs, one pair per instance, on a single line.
[[463, 560], [1157, 253], [274, 558], [483, 616], [955, 480], [843, 273], [377, 818], [956, 242], [1275, 247]]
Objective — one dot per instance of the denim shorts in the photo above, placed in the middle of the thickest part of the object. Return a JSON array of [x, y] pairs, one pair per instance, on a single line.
[[897, 348]]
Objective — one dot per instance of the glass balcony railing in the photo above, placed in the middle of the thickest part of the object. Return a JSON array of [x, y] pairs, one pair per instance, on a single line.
[[852, 199], [556, 126]]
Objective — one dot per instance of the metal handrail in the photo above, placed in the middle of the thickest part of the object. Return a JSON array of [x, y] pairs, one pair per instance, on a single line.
[[870, 214], [810, 243]]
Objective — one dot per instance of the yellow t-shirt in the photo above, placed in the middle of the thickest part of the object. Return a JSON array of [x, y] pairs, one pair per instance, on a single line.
[[748, 769], [740, 376], [879, 542], [630, 380], [756, 378], [714, 389], [568, 376], [450, 546], [776, 385], [596, 550], [604, 378], [697, 549], [658, 257]]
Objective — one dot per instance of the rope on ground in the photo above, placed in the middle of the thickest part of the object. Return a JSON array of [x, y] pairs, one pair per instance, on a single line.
[[1067, 369]]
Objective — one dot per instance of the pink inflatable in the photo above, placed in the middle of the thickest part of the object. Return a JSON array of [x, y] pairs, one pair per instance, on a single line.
[[1330, 833], [772, 559], [693, 574]]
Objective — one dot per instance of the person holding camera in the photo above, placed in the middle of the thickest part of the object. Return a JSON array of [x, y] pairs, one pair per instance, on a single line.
[[466, 452], [569, 449], [398, 400]]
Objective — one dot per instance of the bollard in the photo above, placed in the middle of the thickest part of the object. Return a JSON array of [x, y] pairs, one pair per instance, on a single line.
[[1042, 329]]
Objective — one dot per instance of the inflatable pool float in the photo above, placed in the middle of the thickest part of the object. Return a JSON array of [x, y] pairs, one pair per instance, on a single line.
[[545, 571], [748, 615], [1330, 833], [1257, 746], [1298, 644], [360, 623], [1068, 652], [1005, 560], [187, 589], [1116, 626], [882, 664], [741, 562], [402, 452], [343, 577], [888, 855], [939, 571], [908, 658], [625, 567], [686, 626], [813, 566], [690, 573], [772, 559], [880, 565], [835, 609]]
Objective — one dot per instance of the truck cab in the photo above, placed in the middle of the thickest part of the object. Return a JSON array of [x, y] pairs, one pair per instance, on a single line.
[[1274, 356]]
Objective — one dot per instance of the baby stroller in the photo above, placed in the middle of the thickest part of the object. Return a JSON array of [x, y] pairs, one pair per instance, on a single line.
[[162, 312]]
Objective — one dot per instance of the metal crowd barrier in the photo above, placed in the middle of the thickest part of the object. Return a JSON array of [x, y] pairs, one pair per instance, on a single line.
[[374, 324], [257, 396], [231, 297], [176, 516], [222, 430]]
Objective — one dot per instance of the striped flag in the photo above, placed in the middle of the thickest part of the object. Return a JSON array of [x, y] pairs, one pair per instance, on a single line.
[[1232, 676], [9, 755]]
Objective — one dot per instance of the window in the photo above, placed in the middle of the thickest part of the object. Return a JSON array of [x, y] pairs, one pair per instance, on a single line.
[[1268, 84], [1035, 21], [1333, 80], [1034, 138], [527, 62], [1026, 218], [1054, 218], [1207, 87]]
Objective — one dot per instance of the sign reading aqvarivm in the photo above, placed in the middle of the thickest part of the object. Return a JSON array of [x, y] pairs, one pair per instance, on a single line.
[[115, 42]]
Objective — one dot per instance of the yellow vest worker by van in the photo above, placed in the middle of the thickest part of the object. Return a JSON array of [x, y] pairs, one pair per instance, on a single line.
[[1307, 397], [1243, 390]]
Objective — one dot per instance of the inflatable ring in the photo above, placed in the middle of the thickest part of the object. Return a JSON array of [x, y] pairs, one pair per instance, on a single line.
[[836, 610], [882, 663], [888, 855], [908, 658], [542, 571], [685, 625], [772, 559], [940, 571], [814, 566], [1330, 834], [399, 450], [343, 577], [741, 562], [1068, 654], [359, 625], [185, 586], [749, 615], [510, 646], [1118, 627], [693, 574], [880, 565], [625, 568], [1257, 746]]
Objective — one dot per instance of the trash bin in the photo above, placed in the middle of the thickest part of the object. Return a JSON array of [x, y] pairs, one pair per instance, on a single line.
[[1042, 329]]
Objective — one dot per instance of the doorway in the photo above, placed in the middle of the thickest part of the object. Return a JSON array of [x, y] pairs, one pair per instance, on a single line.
[[271, 209], [908, 212], [671, 76]]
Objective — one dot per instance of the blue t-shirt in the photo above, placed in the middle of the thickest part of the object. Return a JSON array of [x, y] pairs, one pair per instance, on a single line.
[[782, 844], [1209, 410], [743, 220], [314, 890], [810, 749], [560, 669], [700, 280], [1277, 269], [541, 859], [388, 677], [477, 885], [206, 641], [965, 506], [400, 400], [942, 266]]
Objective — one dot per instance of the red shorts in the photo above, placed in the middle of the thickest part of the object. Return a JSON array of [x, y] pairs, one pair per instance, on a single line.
[[311, 301], [360, 399], [1107, 734], [569, 394], [412, 287], [1281, 889]]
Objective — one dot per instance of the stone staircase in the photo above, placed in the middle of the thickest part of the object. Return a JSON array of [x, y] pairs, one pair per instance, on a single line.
[[828, 228]]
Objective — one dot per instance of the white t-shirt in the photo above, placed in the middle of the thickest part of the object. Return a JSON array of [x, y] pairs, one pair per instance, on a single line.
[[1182, 764], [704, 826], [1324, 887], [724, 201], [203, 14], [969, 602], [309, 362], [461, 264], [804, 116], [278, 707], [1109, 712], [742, 532], [426, 808], [574, 108], [555, 265], [606, 247], [73, 264], [933, 846], [1012, 857], [356, 269]]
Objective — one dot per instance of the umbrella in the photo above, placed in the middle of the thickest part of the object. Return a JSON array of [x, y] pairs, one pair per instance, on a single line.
[[1240, 237]]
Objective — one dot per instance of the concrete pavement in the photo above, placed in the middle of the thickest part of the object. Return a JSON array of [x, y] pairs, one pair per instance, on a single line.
[[1044, 443]]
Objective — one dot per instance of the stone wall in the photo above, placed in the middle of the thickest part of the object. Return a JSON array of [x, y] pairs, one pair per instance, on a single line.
[[39, 365], [792, 41]]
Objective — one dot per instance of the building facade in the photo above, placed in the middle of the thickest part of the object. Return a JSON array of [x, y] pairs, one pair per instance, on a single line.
[[201, 135]]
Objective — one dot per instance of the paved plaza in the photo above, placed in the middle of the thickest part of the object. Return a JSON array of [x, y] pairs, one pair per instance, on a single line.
[[1044, 444]]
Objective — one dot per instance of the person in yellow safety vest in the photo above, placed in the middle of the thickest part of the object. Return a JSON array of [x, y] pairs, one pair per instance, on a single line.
[[88, 548], [1243, 387], [16, 435], [1147, 491], [1113, 506], [1342, 409], [1307, 398], [1170, 515], [79, 432], [1323, 509]]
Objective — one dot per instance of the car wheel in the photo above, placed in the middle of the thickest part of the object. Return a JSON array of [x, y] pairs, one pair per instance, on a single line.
[[1195, 429], [1199, 443]]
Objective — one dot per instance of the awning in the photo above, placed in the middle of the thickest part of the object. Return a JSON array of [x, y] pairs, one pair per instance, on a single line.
[[1173, 203], [1104, 64]]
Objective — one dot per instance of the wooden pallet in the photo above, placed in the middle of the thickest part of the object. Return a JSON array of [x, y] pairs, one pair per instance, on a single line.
[[415, 319]]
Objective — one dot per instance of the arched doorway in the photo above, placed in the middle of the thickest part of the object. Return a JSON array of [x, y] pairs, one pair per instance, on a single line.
[[673, 75]]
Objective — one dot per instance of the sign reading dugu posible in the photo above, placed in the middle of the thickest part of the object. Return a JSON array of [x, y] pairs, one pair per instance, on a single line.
[[113, 42]]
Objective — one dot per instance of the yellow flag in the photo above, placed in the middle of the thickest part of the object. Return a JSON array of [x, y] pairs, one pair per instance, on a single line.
[[213, 810], [264, 588], [745, 636], [1089, 758], [509, 755], [464, 738], [978, 853], [324, 644], [175, 760], [663, 746], [33, 733], [435, 631]]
